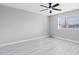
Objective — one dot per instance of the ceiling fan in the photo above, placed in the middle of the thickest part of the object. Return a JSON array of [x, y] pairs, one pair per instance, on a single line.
[[50, 7]]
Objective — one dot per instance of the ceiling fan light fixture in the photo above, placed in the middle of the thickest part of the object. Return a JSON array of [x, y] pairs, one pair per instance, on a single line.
[[50, 9]]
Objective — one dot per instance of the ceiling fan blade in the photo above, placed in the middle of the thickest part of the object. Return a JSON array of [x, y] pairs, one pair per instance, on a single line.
[[57, 4], [43, 10], [44, 6], [57, 9]]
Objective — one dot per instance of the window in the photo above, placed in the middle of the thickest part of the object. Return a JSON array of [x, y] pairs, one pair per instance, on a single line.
[[68, 22]]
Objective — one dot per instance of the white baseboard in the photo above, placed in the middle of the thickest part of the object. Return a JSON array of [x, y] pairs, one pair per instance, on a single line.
[[66, 39], [26, 40]]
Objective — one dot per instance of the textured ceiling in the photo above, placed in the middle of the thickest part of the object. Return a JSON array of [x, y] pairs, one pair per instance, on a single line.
[[35, 7]]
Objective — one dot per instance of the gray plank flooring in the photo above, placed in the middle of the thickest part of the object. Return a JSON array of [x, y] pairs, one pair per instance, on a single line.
[[44, 46]]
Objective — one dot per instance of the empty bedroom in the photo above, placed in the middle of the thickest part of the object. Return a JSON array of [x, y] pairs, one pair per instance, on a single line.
[[39, 28]]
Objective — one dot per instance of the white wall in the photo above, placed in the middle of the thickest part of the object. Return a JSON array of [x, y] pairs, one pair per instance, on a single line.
[[65, 33], [16, 25]]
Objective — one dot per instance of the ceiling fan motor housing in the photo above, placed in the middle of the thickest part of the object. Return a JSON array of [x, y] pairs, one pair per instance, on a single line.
[[50, 5]]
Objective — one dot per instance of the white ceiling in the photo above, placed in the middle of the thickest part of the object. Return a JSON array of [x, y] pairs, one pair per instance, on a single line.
[[35, 7]]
